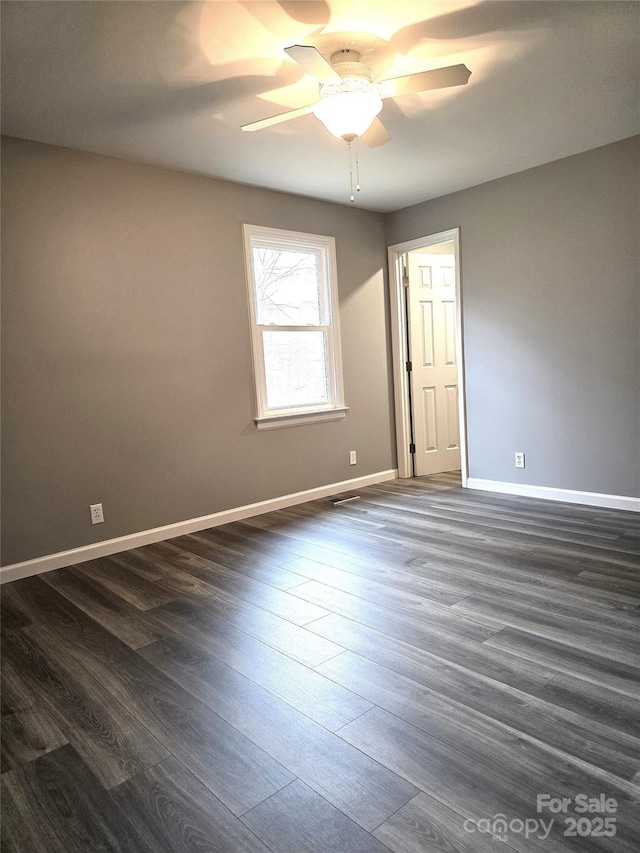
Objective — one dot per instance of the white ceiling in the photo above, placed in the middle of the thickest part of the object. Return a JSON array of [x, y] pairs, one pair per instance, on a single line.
[[171, 83]]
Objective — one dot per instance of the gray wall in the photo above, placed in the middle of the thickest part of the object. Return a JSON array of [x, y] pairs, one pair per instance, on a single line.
[[126, 360], [551, 289], [127, 372]]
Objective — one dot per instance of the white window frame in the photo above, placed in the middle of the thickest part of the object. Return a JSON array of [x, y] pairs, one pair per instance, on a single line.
[[325, 249]]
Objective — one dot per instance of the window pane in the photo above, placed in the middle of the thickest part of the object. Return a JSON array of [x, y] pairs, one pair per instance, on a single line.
[[295, 366], [287, 291]]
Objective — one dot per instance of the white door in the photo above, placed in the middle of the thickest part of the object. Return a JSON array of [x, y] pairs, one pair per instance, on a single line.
[[432, 351]]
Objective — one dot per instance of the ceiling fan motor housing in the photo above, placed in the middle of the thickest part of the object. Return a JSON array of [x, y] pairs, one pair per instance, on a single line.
[[347, 64], [355, 76]]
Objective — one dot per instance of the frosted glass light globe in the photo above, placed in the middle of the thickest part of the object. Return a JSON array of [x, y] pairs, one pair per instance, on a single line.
[[348, 114]]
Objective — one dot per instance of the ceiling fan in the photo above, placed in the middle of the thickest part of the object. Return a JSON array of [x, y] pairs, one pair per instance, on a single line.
[[350, 99]]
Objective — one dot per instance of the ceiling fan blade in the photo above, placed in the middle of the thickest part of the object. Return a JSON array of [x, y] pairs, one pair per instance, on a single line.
[[267, 122], [439, 78], [312, 62], [376, 135]]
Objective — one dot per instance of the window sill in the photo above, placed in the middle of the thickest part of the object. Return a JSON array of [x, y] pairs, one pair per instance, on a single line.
[[299, 418]]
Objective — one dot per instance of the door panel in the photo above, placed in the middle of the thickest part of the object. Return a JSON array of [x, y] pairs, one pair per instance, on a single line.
[[432, 347], [453, 424], [425, 276], [427, 334], [430, 439], [449, 333]]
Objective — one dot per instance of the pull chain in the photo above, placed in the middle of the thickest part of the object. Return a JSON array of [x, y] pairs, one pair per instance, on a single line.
[[352, 198]]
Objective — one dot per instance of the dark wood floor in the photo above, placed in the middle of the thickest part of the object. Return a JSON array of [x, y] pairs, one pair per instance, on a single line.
[[373, 677]]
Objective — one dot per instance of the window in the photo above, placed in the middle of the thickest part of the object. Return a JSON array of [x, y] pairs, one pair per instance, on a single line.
[[293, 307]]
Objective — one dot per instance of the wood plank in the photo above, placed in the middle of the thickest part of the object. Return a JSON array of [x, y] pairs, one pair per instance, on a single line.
[[177, 584], [175, 813], [296, 642], [523, 529], [284, 531], [305, 689], [429, 529], [327, 567], [111, 573], [110, 740], [611, 618], [289, 536], [555, 516], [319, 532], [247, 588], [418, 650], [536, 576], [237, 771], [620, 644], [388, 586], [623, 582], [568, 659], [234, 545], [492, 577], [27, 729], [26, 735], [486, 505], [365, 791], [12, 616], [419, 616], [196, 558], [108, 609], [149, 569], [425, 825], [477, 790], [55, 805], [297, 820], [486, 735], [459, 539], [594, 701]]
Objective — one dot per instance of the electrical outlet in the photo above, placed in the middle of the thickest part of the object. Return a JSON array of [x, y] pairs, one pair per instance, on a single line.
[[352, 457], [97, 515], [520, 460]]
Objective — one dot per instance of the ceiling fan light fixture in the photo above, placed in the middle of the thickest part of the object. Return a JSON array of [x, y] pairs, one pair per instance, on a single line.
[[348, 114]]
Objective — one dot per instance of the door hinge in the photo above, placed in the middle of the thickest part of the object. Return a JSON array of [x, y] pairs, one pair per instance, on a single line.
[[412, 448], [405, 277], [409, 367]]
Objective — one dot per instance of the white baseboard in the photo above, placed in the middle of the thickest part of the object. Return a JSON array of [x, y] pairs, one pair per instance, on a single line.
[[550, 494], [157, 534]]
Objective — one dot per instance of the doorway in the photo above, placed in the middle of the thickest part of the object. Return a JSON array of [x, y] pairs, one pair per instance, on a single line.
[[427, 355]]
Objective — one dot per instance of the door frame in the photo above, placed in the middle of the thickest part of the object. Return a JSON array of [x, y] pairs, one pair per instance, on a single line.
[[400, 349]]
